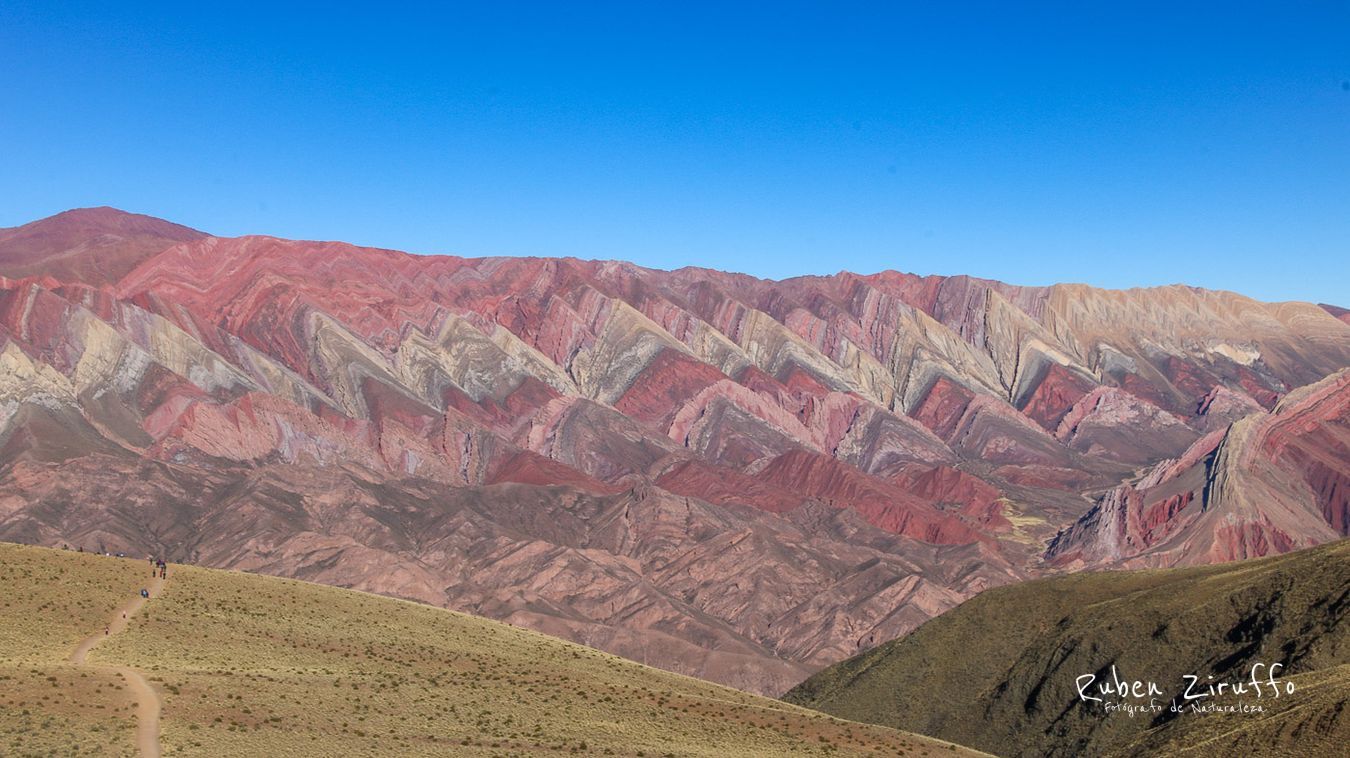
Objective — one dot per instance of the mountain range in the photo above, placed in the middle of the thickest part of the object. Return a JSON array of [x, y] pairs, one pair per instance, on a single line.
[[729, 477]]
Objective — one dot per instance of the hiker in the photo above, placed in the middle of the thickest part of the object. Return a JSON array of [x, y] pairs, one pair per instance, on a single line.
[[145, 593]]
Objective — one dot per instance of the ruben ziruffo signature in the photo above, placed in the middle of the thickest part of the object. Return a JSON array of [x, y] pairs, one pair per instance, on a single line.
[[1262, 681]]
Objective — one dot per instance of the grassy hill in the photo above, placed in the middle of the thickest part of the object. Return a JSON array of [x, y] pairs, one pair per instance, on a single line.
[[49, 601], [1000, 671], [253, 665]]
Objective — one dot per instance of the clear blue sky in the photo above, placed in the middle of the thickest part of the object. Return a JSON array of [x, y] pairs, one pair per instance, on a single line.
[[1118, 144]]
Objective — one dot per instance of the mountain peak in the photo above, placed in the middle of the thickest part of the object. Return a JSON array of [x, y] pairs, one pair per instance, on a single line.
[[104, 218], [93, 246]]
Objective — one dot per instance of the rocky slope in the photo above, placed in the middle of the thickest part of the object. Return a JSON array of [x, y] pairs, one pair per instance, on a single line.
[[1341, 313], [1269, 483], [1018, 692], [724, 476]]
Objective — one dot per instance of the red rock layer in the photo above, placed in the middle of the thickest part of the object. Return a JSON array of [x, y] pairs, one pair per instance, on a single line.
[[1270, 483], [730, 477]]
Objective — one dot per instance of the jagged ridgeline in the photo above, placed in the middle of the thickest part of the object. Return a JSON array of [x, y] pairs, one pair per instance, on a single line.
[[1002, 672], [729, 477]]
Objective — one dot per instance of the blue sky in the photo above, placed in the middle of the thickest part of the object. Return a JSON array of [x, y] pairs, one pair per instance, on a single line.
[[1119, 144]]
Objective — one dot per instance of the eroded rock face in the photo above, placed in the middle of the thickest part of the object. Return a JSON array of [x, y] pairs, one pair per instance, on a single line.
[[730, 477], [1114, 423], [1341, 313], [1269, 483]]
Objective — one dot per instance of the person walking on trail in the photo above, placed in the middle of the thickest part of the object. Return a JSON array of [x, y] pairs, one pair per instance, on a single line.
[[145, 593]]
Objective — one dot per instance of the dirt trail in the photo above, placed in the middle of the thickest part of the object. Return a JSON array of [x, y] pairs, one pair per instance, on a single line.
[[147, 702]]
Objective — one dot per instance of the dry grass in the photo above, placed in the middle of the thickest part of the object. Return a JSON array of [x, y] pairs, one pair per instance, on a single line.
[[49, 601], [52, 599], [251, 665], [1319, 700], [61, 710], [999, 671]]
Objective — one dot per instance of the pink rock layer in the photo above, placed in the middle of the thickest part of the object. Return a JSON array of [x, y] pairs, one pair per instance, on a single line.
[[725, 476]]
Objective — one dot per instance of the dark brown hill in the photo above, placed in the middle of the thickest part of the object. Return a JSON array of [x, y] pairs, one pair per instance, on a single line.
[[1002, 672]]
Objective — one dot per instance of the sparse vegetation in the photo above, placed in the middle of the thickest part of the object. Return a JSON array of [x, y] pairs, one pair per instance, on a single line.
[[999, 671], [255, 665], [49, 601]]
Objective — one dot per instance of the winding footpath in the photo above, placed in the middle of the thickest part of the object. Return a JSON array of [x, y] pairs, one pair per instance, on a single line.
[[147, 702]]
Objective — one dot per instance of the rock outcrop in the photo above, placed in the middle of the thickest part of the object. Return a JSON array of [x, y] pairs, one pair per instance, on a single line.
[[1268, 483]]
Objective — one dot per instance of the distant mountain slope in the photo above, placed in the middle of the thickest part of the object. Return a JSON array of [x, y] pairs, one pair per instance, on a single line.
[[248, 665], [91, 245], [724, 476], [1001, 671], [1337, 311], [1269, 483]]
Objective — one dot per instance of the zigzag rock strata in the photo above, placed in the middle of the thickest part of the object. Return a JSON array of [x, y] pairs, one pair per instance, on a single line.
[[729, 477]]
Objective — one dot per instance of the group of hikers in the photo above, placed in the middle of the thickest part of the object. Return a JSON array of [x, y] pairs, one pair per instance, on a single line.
[[104, 552], [158, 568]]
